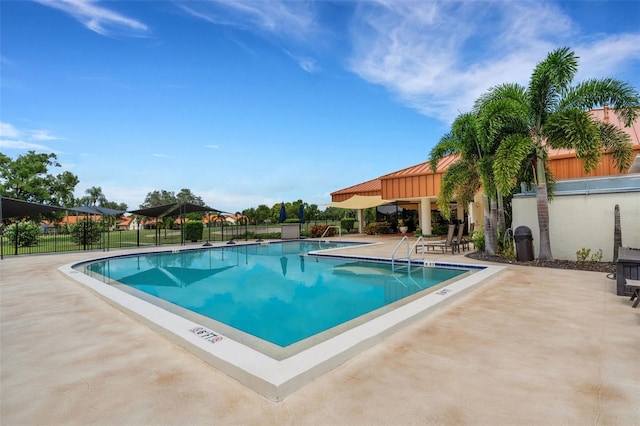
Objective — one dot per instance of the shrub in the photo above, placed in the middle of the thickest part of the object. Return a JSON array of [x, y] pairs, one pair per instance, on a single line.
[[478, 240], [347, 224], [292, 220], [375, 228], [439, 229], [85, 232], [507, 251], [28, 233], [506, 248], [583, 255], [317, 231], [193, 230], [418, 232]]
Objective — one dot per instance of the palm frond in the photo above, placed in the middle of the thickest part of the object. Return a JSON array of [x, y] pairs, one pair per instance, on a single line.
[[464, 130], [549, 79], [576, 129], [448, 145], [619, 95], [503, 110], [460, 181], [509, 160], [503, 92], [485, 170], [617, 143]]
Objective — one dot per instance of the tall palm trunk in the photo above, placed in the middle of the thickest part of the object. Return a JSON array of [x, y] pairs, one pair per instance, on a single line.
[[502, 222], [489, 225], [542, 203], [494, 226]]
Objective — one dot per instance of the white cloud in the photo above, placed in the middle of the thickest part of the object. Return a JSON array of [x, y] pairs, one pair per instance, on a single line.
[[212, 146], [294, 19], [160, 155], [290, 22], [8, 131], [438, 57], [98, 19], [43, 135], [23, 145], [308, 64], [598, 58], [14, 138]]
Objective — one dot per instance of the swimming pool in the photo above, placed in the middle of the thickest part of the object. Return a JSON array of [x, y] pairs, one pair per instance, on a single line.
[[267, 368], [273, 292]]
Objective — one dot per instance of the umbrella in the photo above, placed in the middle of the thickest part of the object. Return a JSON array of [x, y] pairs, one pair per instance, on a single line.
[[283, 213], [301, 213]]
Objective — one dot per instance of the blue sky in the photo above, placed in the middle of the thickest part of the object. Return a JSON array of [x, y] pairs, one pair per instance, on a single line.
[[249, 103]]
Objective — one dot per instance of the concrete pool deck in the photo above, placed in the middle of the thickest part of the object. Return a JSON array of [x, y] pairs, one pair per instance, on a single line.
[[532, 346]]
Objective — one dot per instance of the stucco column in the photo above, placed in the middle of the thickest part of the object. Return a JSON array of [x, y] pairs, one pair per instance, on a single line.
[[460, 212], [425, 215], [360, 214]]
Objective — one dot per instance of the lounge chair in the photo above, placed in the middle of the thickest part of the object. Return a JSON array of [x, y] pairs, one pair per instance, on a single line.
[[444, 245]]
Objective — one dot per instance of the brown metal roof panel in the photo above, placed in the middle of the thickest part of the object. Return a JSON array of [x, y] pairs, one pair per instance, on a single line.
[[368, 186], [423, 168]]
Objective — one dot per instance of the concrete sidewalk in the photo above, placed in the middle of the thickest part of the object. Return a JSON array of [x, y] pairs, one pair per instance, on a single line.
[[534, 346]]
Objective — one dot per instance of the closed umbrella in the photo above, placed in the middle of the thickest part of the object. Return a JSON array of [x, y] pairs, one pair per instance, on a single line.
[[301, 213], [283, 213]]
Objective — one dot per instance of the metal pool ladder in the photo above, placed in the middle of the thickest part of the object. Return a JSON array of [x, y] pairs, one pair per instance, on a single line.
[[329, 227], [410, 249]]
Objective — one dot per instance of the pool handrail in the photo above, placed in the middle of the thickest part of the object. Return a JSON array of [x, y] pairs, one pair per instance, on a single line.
[[410, 250], [329, 227]]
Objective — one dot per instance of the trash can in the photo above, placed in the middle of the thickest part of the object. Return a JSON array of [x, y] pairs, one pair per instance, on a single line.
[[524, 243]]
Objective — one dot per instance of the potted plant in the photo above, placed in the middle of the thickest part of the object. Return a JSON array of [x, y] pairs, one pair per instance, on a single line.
[[402, 227]]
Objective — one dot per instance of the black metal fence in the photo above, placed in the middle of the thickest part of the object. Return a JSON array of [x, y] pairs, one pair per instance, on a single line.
[[54, 241]]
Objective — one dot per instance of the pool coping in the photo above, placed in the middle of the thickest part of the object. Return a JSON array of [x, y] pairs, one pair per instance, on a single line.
[[276, 379]]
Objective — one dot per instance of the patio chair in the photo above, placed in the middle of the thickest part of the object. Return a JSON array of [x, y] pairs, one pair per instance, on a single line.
[[444, 245], [460, 241]]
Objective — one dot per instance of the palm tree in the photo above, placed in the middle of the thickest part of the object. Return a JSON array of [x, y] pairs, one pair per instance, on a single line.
[[557, 116], [463, 179], [95, 195]]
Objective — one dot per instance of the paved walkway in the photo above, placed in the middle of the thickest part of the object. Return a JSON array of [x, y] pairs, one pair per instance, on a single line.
[[534, 346]]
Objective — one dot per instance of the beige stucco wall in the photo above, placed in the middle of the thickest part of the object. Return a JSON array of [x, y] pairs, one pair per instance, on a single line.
[[476, 212], [582, 221]]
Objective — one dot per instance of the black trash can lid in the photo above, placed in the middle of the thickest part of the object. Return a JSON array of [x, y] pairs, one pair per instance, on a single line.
[[522, 231]]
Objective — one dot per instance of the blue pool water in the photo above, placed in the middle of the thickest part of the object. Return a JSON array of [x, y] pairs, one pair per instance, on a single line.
[[270, 291]]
